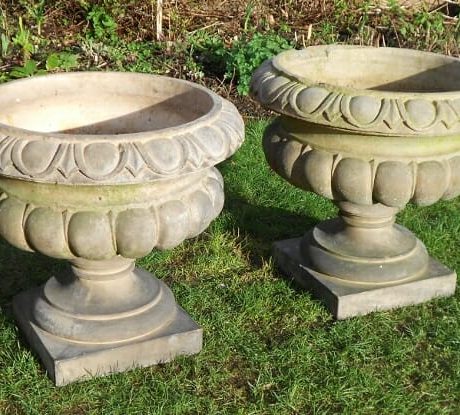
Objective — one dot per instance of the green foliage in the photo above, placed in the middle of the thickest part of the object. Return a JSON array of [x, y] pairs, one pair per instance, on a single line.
[[103, 25], [4, 44], [36, 11], [145, 57], [425, 30], [247, 16], [29, 68], [425, 21], [22, 39], [209, 52], [362, 23], [246, 55], [62, 60], [241, 59], [326, 33]]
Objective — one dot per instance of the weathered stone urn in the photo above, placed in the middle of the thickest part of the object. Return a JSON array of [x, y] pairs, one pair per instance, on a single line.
[[99, 169], [371, 129]]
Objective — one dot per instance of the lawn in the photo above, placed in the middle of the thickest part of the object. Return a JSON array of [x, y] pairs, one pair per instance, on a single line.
[[269, 348]]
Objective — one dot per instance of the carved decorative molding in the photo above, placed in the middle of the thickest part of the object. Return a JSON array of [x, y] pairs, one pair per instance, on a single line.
[[66, 159], [391, 181], [129, 231], [365, 111]]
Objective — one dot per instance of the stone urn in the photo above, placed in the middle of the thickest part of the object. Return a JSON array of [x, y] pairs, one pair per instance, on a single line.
[[371, 129], [99, 168]]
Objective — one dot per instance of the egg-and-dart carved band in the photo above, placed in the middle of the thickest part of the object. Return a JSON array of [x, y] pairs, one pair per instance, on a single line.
[[322, 105], [133, 161]]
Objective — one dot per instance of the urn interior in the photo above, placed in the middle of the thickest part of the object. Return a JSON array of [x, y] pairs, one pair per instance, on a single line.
[[379, 69], [99, 103]]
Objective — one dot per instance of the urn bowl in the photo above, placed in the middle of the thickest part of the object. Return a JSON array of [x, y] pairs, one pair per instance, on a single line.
[[94, 165]]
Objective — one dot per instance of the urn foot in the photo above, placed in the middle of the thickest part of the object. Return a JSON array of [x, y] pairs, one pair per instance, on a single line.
[[346, 298], [364, 245], [105, 317]]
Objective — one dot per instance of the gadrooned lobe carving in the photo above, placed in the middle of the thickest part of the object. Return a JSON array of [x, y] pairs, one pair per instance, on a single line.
[[338, 177], [123, 230]]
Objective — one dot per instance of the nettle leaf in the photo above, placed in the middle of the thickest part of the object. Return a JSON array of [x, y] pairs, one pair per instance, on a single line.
[[52, 62], [247, 54], [63, 60], [30, 68]]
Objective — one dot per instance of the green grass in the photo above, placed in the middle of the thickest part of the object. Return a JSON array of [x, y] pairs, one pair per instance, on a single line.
[[269, 348]]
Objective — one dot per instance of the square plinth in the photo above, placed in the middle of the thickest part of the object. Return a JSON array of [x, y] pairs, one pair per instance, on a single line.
[[67, 362], [346, 300]]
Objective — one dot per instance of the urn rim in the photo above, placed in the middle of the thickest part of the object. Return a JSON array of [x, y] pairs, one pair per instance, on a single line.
[[302, 84], [193, 129], [216, 106], [324, 52]]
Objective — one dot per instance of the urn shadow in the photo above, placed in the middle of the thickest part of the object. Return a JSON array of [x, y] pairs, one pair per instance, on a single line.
[[440, 79], [170, 112], [263, 225], [20, 270]]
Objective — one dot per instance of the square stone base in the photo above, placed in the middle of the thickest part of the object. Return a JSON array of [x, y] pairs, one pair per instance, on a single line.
[[67, 362], [346, 300]]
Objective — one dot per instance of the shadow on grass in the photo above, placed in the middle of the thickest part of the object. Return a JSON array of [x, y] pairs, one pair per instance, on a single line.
[[20, 270], [269, 224], [261, 226]]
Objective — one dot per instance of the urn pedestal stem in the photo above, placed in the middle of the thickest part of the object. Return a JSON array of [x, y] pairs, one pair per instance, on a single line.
[[104, 302], [364, 246], [362, 261]]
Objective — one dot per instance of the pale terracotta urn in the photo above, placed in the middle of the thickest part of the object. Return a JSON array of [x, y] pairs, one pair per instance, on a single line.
[[99, 169], [372, 129]]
